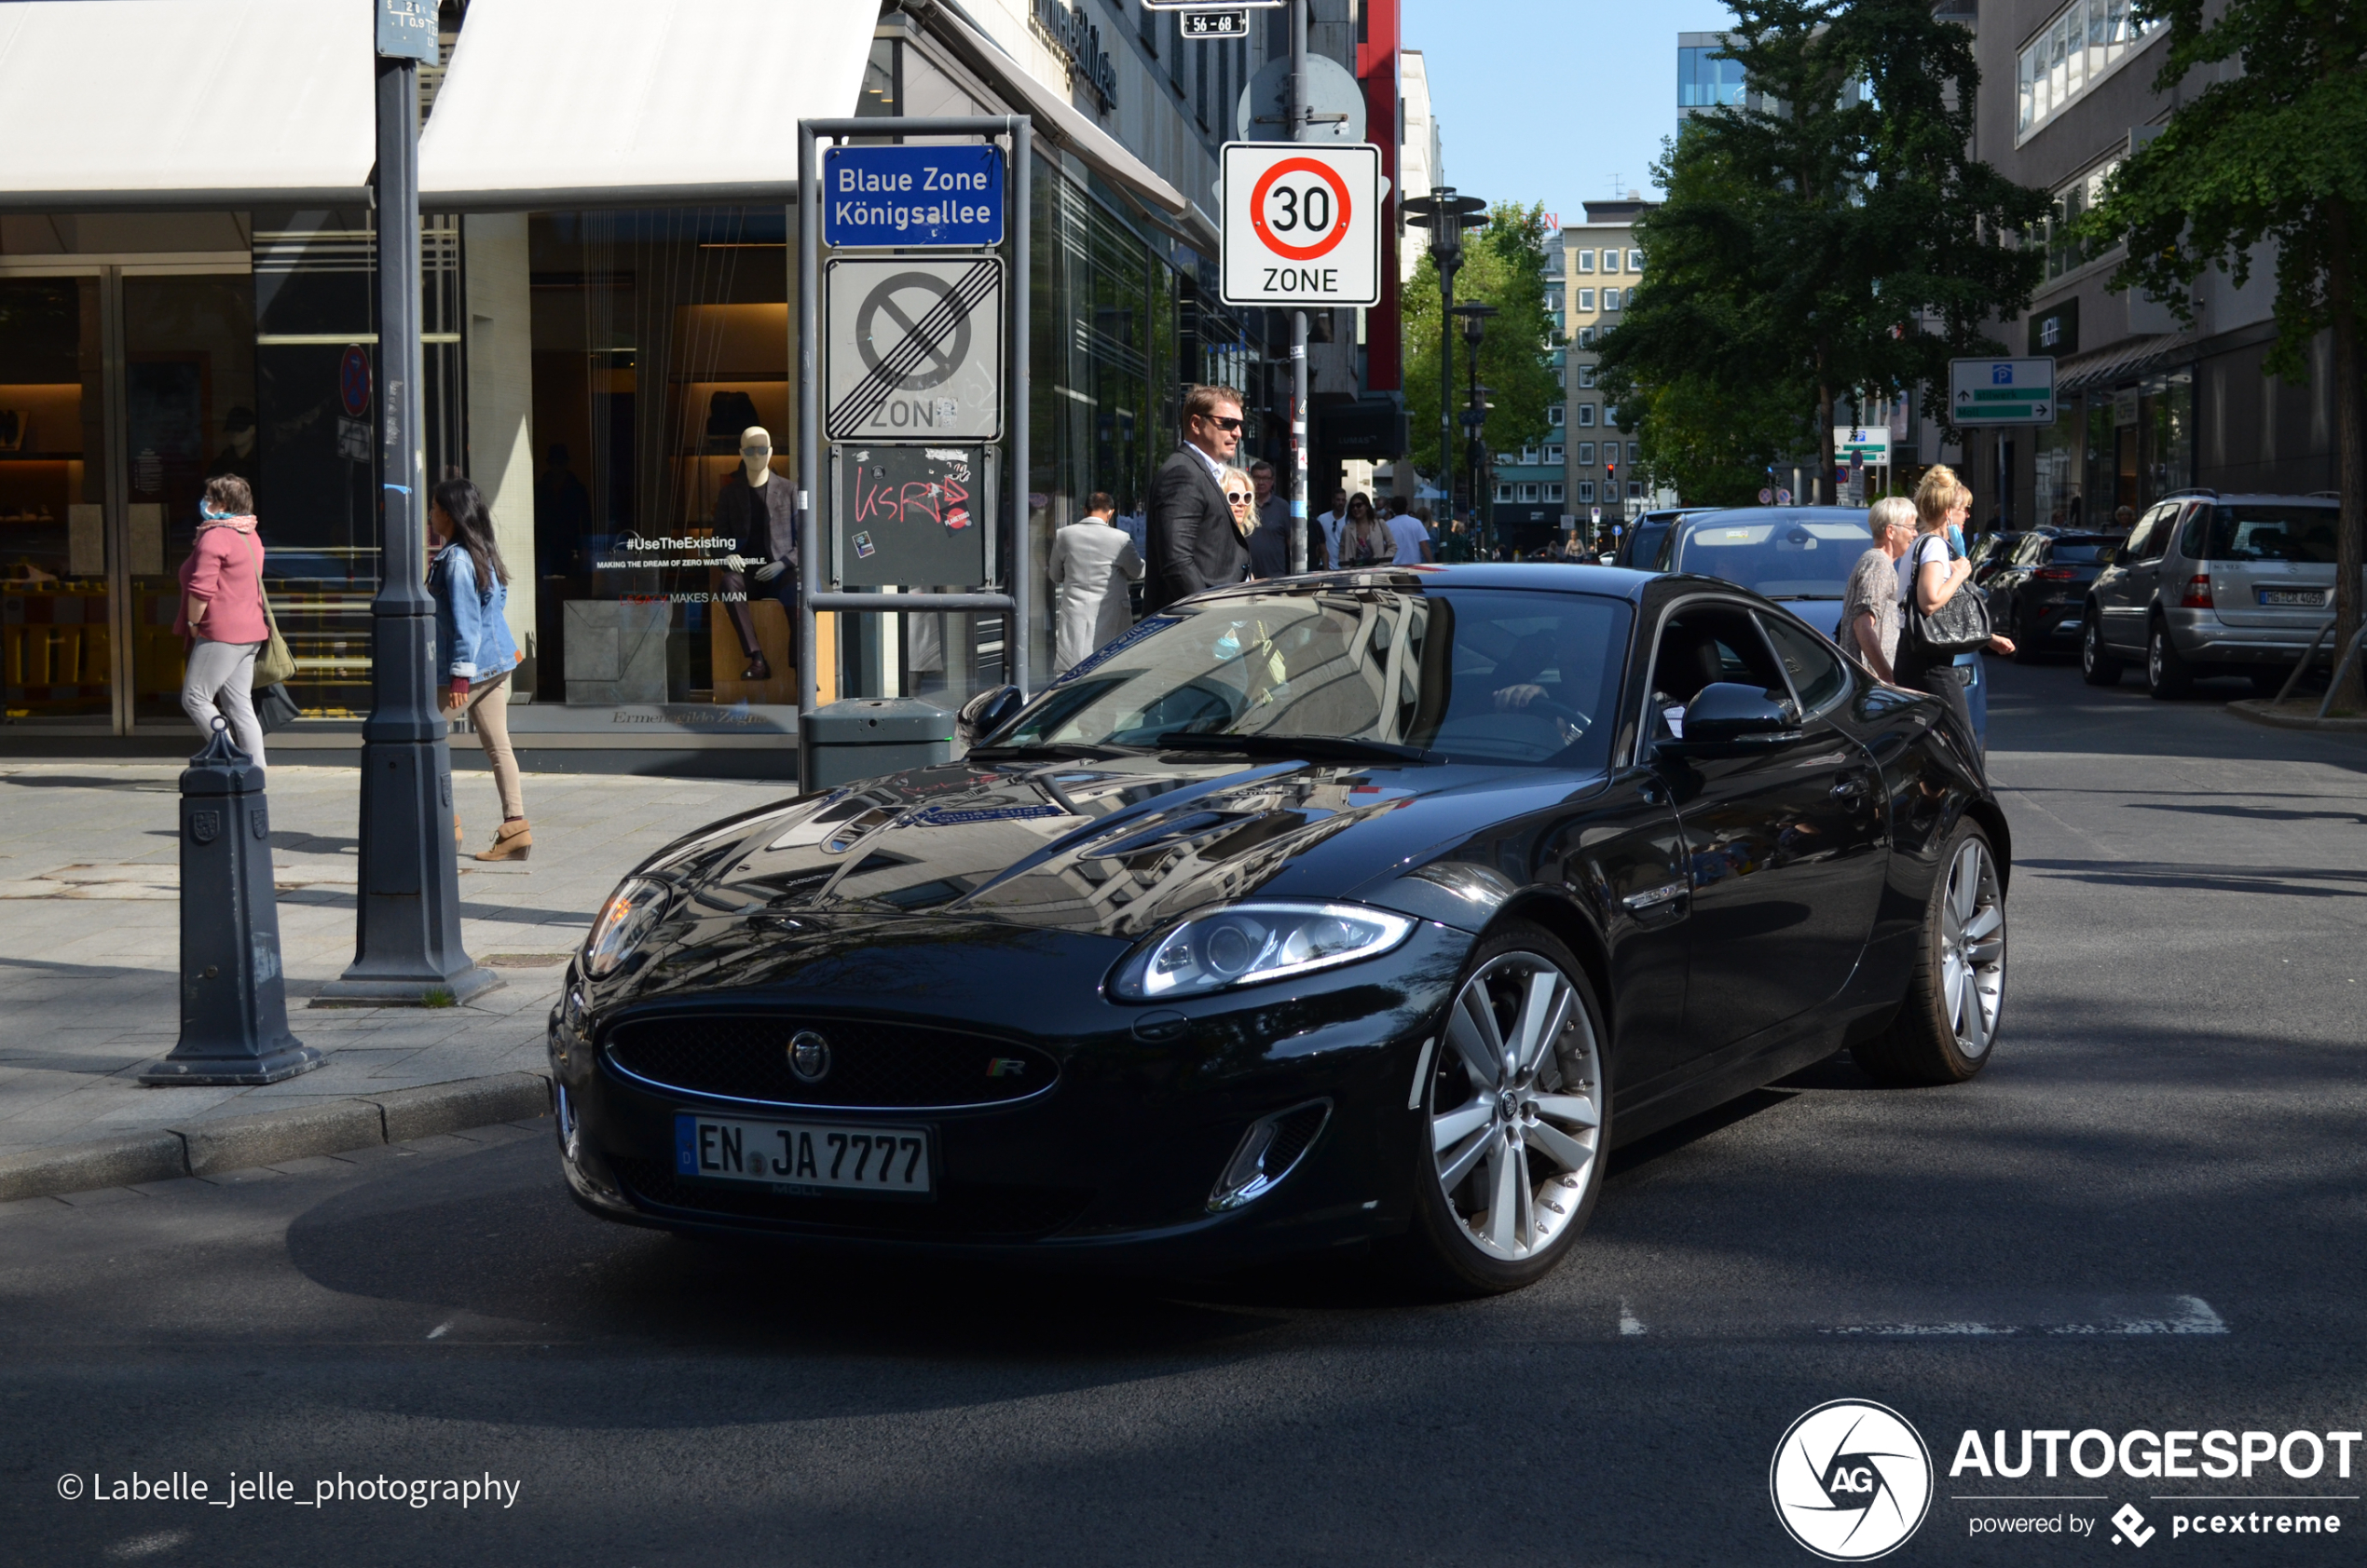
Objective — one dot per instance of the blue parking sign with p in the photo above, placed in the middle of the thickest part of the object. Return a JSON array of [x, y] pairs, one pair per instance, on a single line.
[[2001, 375], [874, 198]]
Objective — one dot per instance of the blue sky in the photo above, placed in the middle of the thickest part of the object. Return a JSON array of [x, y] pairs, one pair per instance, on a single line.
[[1548, 99]]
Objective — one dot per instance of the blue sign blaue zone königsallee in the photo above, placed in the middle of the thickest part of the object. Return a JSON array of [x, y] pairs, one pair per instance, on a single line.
[[874, 196]]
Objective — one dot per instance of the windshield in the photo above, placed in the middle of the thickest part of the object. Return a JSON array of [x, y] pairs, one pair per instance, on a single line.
[[2272, 533], [1784, 558], [1459, 675]]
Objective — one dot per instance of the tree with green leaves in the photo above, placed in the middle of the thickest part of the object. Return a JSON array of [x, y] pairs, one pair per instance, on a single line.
[[1832, 237], [2275, 151], [1503, 266]]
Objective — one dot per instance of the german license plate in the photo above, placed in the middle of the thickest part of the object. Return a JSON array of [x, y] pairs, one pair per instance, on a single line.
[[805, 1157], [2314, 598]]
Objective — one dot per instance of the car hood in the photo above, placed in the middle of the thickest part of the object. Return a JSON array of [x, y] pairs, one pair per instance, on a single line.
[[1117, 849]]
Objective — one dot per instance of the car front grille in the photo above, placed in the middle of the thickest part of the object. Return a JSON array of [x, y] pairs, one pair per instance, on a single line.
[[873, 1066], [961, 1211]]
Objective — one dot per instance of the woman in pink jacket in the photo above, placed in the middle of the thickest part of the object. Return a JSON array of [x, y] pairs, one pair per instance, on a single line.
[[222, 614]]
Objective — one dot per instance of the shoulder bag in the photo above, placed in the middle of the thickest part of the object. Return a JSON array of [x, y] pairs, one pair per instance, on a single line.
[[274, 665], [1959, 626]]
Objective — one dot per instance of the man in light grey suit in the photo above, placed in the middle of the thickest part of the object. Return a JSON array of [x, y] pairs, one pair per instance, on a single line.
[[1091, 563]]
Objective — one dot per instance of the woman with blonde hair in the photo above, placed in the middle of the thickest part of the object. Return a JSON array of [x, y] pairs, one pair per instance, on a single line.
[[1928, 578]]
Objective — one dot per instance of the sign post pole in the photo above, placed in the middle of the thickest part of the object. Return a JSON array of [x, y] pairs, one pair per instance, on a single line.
[[406, 946], [1301, 466], [1014, 601]]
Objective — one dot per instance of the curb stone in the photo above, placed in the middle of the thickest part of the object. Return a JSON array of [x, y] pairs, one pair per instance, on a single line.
[[268, 1136], [2259, 710]]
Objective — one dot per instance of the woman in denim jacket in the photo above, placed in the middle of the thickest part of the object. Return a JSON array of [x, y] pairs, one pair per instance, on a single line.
[[474, 647]]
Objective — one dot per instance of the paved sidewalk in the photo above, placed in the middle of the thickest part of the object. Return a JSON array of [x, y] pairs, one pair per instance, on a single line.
[[90, 933]]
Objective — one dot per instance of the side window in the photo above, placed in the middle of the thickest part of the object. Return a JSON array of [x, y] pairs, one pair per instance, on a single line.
[[2151, 534], [1700, 646], [2031, 550], [2189, 537], [1818, 679]]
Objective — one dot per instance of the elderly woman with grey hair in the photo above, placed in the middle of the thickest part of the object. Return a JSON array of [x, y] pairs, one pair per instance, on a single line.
[[1871, 609]]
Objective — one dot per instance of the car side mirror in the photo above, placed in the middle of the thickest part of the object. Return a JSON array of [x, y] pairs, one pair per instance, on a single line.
[[986, 712], [1728, 719]]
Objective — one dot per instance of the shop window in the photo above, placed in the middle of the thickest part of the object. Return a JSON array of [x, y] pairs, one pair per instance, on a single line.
[[659, 336], [55, 653]]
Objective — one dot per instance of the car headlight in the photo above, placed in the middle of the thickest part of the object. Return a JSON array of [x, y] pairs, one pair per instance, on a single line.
[[625, 919], [1249, 944]]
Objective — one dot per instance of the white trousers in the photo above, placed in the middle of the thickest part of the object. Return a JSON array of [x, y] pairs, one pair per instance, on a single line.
[[221, 680]]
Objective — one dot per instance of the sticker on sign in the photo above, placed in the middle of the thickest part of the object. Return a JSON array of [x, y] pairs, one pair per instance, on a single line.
[[1302, 224], [2000, 392]]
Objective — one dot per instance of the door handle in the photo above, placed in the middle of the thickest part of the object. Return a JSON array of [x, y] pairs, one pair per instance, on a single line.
[[1849, 788], [1652, 791]]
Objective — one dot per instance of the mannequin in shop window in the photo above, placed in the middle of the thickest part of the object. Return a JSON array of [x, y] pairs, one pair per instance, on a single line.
[[757, 511]]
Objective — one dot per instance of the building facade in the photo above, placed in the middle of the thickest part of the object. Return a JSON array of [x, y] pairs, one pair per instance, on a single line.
[[2148, 403], [609, 282], [1600, 263]]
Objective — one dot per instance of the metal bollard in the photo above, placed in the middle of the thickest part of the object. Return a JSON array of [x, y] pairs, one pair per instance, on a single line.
[[234, 998]]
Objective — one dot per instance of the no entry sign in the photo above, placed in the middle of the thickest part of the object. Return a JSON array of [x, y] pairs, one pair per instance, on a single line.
[[1302, 224]]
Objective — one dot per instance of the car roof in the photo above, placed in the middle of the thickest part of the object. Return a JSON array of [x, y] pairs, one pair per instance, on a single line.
[[1731, 514], [1617, 582]]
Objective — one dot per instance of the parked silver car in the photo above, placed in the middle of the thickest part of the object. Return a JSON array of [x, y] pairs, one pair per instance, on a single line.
[[2210, 584]]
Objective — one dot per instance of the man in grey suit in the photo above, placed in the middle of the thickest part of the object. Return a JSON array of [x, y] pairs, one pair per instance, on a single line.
[[1194, 543]]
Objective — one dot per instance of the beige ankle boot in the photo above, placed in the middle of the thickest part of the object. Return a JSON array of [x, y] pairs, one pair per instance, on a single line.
[[458, 836], [513, 842]]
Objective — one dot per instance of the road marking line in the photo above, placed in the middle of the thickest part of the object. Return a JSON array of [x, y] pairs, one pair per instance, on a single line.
[[437, 1332], [1629, 1323]]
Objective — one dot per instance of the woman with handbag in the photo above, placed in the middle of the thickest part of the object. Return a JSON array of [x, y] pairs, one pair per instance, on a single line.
[[224, 616], [474, 647], [1363, 543], [1941, 618]]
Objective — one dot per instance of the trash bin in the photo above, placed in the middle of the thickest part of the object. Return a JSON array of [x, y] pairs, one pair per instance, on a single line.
[[867, 736]]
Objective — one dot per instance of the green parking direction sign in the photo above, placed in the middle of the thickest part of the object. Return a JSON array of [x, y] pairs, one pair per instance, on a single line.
[[1983, 392]]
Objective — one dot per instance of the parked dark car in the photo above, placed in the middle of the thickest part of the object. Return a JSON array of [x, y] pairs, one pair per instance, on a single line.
[[1800, 557], [1641, 546], [1991, 552], [2038, 597], [1360, 907]]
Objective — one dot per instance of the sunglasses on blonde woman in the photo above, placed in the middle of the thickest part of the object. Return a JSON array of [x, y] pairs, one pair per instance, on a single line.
[[1236, 496]]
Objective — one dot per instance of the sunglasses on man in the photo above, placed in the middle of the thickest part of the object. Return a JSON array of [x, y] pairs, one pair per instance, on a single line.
[[1232, 424]]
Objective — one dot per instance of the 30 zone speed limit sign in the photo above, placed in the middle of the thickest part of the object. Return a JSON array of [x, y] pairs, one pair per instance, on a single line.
[[1302, 224]]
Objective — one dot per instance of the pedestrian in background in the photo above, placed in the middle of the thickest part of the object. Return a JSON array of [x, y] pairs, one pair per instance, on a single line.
[[474, 647], [1413, 541], [1363, 543], [1869, 605], [1928, 577], [1092, 564], [1334, 524], [221, 615], [1195, 541]]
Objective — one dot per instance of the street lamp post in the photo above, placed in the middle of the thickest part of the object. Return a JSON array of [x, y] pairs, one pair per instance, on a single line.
[[1475, 315], [1446, 215], [406, 946]]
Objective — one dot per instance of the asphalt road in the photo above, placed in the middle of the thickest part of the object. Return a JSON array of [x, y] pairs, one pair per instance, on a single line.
[[2146, 1215]]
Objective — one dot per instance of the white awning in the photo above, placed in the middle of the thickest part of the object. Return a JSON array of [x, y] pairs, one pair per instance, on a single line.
[[624, 102], [1055, 117], [109, 105]]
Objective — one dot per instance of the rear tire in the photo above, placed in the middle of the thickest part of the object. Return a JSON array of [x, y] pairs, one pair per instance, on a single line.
[[1507, 1154], [1956, 989], [2096, 665], [2168, 677], [2026, 651]]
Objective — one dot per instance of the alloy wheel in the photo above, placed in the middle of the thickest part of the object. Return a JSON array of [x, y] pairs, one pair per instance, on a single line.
[[1972, 945], [2153, 660], [1516, 1106]]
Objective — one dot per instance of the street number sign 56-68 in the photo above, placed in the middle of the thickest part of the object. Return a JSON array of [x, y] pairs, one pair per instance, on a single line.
[[1302, 224]]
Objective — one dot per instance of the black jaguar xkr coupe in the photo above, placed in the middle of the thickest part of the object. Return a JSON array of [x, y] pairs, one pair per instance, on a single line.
[[1368, 906]]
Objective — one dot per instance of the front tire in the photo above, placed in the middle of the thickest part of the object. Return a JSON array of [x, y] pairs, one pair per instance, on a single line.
[[2096, 665], [2168, 676], [1515, 1118], [1956, 991]]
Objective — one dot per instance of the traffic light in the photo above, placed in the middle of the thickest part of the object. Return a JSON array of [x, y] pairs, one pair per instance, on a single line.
[[1610, 478]]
